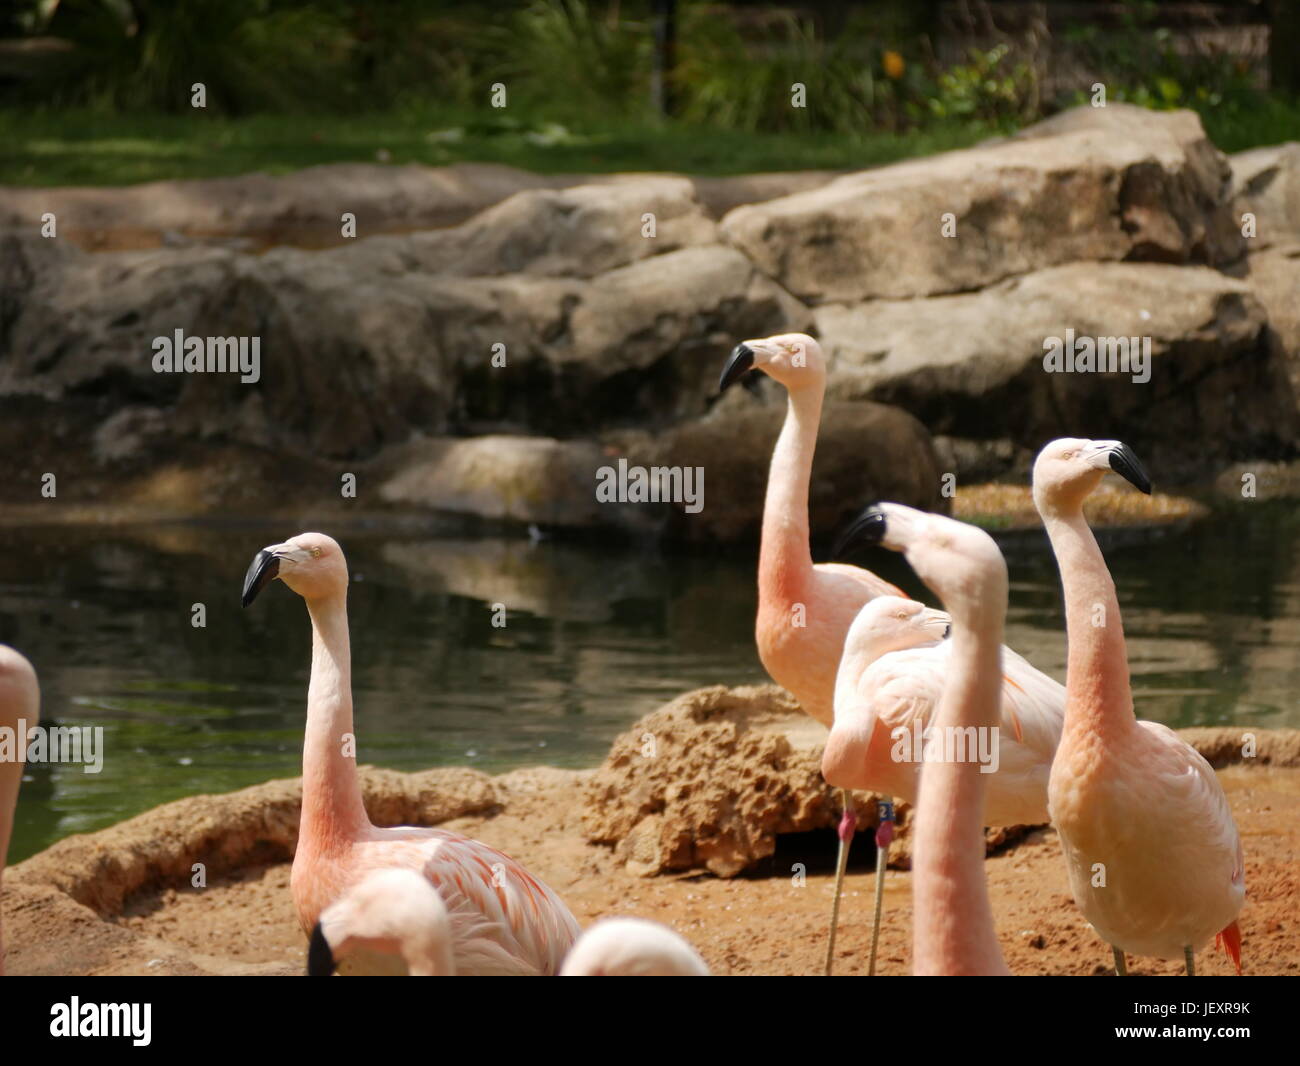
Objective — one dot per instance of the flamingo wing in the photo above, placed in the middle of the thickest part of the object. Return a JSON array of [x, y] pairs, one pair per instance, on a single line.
[[506, 920], [1192, 787]]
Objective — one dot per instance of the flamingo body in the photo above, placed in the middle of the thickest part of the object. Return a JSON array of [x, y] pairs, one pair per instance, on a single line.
[[1153, 855], [1109, 803]]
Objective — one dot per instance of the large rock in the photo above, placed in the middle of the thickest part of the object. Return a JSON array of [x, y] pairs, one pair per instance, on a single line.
[[1094, 184], [1266, 183], [972, 365]]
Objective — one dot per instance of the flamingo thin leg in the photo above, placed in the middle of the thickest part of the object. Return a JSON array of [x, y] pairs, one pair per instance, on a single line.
[[848, 823], [884, 835]]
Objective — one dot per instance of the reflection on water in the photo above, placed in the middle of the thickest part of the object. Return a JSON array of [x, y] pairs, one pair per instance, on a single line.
[[596, 636]]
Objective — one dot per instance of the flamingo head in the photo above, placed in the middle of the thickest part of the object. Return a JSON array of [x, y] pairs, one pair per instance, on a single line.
[[959, 562], [311, 564], [793, 359], [891, 623], [1067, 470]]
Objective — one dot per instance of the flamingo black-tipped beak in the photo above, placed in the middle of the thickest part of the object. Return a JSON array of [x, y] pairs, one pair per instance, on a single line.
[[739, 363], [868, 529], [1126, 465], [320, 959], [261, 572]]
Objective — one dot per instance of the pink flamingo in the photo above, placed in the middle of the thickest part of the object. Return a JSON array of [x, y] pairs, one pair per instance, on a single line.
[[804, 610], [394, 916], [889, 688], [1153, 855], [20, 701], [504, 921], [632, 947], [967, 693]]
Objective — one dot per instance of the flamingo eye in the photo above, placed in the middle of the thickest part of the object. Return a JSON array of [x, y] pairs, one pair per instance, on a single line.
[[1068, 455], [315, 553]]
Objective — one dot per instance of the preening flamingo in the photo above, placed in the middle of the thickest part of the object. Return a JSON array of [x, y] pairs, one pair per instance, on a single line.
[[393, 914], [887, 696], [1153, 854], [804, 610], [503, 920], [20, 699], [632, 947], [960, 691]]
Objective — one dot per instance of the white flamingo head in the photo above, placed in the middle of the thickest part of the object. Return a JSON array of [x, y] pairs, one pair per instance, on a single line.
[[389, 912], [1068, 469], [891, 623], [632, 947], [960, 563], [793, 359], [311, 564]]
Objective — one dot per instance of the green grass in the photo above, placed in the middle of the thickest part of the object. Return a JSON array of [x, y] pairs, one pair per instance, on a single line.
[[58, 147], [81, 148]]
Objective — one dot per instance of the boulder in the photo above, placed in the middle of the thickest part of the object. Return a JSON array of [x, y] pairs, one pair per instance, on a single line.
[[1095, 184], [1266, 183], [972, 365], [512, 479]]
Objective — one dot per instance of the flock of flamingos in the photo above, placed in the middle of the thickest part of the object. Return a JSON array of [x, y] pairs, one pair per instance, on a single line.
[[1153, 855]]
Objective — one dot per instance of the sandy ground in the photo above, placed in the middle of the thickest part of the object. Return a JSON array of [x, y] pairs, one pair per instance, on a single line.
[[757, 924]]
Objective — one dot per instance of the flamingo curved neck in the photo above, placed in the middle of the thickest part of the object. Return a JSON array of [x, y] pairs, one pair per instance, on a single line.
[[785, 557], [332, 810], [1099, 699], [954, 933]]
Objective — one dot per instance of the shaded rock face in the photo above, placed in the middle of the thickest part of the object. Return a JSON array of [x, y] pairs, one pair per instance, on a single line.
[[552, 322], [865, 451]]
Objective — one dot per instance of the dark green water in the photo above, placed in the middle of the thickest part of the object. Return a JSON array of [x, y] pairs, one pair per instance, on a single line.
[[595, 638]]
